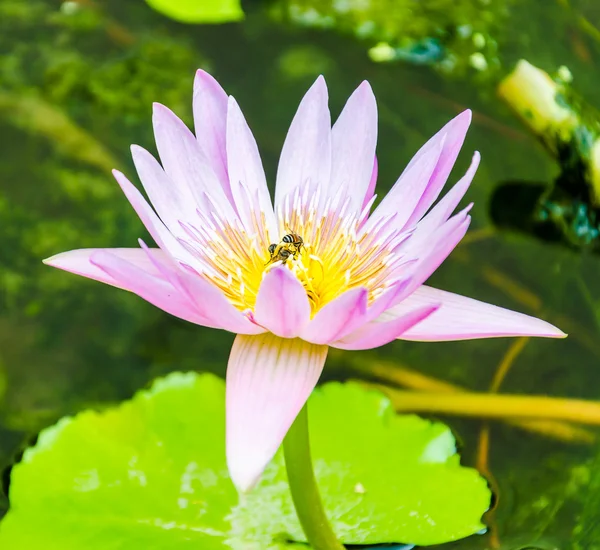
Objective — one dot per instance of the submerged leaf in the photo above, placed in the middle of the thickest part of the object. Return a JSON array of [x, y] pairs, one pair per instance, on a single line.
[[199, 11], [151, 474]]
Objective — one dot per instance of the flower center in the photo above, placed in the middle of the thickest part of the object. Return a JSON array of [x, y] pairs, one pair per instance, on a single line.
[[324, 247]]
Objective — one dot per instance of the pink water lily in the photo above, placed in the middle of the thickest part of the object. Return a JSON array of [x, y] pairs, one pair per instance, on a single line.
[[355, 283]]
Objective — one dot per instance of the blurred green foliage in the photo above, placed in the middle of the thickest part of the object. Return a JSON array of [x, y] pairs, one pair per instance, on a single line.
[[586, 535], [455, 36], [479, 40], [199, 11]]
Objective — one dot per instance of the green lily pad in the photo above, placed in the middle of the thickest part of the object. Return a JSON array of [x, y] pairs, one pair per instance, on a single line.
[[199, 11], [150, 474]]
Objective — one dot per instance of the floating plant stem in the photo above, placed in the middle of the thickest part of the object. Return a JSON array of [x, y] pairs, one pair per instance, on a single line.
[[478, 235], [488, 405], [507, 362], [512, 288], [303, 486], [406, 377], [483, 447]]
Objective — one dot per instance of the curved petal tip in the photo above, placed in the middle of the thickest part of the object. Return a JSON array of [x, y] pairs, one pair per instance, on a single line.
[[365, 86], [201, 74], [319, 87], [282, 305]]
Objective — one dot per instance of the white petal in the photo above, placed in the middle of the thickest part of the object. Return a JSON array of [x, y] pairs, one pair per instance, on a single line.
[[306, 154], [210, 116], [246, 174], [353, 141]]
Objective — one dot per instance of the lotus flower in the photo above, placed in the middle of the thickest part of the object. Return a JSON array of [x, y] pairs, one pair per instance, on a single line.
[[355, 282]]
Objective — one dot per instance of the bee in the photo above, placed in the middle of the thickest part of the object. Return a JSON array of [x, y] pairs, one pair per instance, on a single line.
[[293, 240], [290, 245], [279, 252]]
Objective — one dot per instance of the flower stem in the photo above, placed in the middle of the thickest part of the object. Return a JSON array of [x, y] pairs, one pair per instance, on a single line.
[[303, 485]]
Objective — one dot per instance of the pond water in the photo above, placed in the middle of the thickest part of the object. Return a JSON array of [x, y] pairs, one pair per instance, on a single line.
[[76, 89]]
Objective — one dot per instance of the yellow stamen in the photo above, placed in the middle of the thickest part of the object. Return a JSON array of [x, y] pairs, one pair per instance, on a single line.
[[335, 255]]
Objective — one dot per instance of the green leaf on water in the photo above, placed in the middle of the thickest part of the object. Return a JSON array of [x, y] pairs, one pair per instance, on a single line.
[[150, 474], [199, 11]]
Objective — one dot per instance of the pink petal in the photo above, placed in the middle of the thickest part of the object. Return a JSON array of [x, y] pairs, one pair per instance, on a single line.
[[169, 203], [306, 154], [282, 305], [453, 134], [462, 318], [269, 380], [152, 275], [440, 213], [401, 201], [207, 299], [78, 262], [353, 141], [167, 269], [391, 296], [210, 120], [372, 184], [185, 162], [340, 316], [444, 241], [152, 288], [161, 235], [246, 172], [376, 334]]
